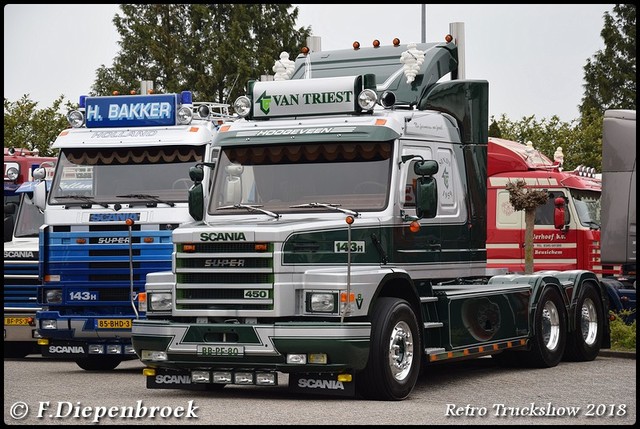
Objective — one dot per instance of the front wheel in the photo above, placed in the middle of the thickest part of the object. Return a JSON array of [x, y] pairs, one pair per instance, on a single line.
[[550, 331], [584, 342], [395, 352], [98, 363]]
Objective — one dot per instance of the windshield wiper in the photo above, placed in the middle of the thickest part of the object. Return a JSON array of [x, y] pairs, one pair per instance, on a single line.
[[254, 208], [592, 224], [89, 200], [329, 206], [147, 197]]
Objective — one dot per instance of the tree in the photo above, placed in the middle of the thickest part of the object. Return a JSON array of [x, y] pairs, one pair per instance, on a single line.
[[527, 200], [581, 143], [26, 126], [610, 77], [212, 50]]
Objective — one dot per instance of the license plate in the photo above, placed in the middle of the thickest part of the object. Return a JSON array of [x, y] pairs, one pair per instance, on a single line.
[[232, 351], [16, 321], [113, 323]]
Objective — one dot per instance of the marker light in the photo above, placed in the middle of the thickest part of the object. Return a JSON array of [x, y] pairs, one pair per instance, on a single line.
[[129, 222], [304, 50], [356, 45], [448, 38], [349, 220], [376, 43], [414, 226], [187, 97], [396, 42]]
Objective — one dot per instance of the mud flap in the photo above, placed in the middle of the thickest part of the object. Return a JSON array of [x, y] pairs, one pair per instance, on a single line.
[[321, 384]]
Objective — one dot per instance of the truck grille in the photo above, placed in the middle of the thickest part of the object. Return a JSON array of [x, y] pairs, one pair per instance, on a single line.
[[21, 283], [223, 276]]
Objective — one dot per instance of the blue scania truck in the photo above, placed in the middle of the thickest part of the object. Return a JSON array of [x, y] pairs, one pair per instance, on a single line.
[[118, 192]]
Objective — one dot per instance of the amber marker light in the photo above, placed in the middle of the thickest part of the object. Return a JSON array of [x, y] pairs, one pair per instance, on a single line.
[[224, 128], [381, 122], [396, 42], [349, 220], [129, 222], [356, 45], [132, 92], [116, 93], [194, 129], [304, 50], [261, 247], [414, 226], [376, 43], [188, 248], [448, 38], [81, 241], [148, 240], [343, 297]]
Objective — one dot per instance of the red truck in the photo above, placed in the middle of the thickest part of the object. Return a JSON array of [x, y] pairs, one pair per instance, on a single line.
[[18, 168], [576, 245]]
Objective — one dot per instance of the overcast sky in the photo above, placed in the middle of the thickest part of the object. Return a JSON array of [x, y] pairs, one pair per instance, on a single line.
[[532, 55]]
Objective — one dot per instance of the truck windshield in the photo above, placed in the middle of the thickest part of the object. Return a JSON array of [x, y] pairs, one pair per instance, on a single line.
[[588, 207], [29, 218], [352, 175], [121, 175]]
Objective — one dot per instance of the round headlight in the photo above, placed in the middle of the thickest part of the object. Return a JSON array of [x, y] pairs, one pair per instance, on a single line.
[[242, 105], [367, 99], [75, 118], [12, 173], [185, 115]]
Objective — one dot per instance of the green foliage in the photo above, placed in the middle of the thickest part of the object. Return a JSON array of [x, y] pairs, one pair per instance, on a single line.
[[212, 50], [26, 126], [581, 142], [623, 336], [610, 75]]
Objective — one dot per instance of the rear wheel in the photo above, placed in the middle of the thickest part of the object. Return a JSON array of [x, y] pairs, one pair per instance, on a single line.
[[395, 352], [98, 363], [550, 331], [583, 344]]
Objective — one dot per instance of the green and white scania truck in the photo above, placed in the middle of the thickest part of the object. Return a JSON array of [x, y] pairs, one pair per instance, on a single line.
[[342, 240]]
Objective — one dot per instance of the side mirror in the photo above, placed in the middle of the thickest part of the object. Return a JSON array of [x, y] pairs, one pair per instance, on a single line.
[[560, 215], [40, 195], [426, 192], [196, 201]]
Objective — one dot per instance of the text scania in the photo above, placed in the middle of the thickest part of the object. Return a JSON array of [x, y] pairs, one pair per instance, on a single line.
[[223, 236], [173, 379], [66, 349], [310, 383]]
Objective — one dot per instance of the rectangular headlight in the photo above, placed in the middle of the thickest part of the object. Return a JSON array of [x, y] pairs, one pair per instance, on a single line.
[[159, 301], [48, 324], [321, 302]]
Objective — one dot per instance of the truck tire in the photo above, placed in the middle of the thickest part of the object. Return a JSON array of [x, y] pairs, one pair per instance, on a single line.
[[394, 354], [550, 331], [583, 344], [98, 363]]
